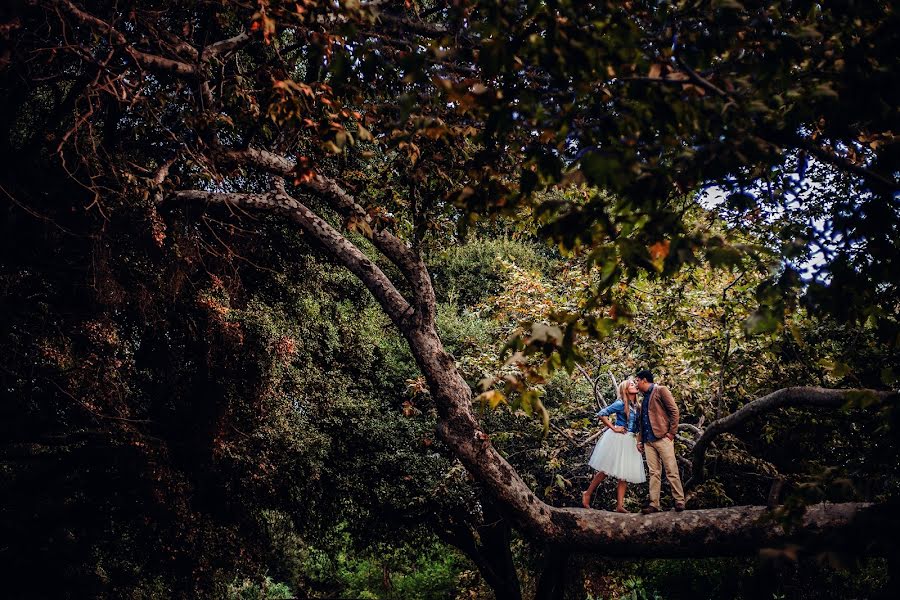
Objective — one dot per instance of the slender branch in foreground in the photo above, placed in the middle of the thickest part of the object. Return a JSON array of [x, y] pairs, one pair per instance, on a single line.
[[692, 428], [598, 398]]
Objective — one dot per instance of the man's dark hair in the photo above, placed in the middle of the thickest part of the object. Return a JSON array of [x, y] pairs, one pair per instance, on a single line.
[[645, 374]]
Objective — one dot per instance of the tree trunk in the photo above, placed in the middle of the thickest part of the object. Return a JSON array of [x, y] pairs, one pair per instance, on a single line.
[[552, 585], [489, 550], [496, 535]]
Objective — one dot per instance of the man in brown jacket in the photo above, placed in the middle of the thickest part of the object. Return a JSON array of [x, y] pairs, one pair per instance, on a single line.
[[658, 422]]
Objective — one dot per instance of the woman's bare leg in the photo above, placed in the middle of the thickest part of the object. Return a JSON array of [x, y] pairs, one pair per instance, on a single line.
[[620, 496], [586, 496]]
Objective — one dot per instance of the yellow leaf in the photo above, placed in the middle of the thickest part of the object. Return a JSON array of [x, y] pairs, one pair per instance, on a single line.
[[492, 398]]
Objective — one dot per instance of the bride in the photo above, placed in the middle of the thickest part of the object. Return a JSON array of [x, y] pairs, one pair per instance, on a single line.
[[616, 452]]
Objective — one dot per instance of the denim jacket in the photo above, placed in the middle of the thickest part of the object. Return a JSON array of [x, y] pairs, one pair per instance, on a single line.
[[618, 407]]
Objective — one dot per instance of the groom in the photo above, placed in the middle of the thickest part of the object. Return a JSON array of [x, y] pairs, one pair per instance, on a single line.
[[656, 435]]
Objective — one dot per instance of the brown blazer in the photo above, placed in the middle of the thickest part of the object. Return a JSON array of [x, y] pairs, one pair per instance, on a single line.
[[663, 411]]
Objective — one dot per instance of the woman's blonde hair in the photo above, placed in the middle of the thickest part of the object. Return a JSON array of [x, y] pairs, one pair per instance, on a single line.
[[622, 393]]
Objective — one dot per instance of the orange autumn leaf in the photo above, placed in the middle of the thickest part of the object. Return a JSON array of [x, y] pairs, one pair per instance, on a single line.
[[659, 251]]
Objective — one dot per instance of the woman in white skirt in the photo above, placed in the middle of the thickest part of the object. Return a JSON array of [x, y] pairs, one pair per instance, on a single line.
[[616, 452]]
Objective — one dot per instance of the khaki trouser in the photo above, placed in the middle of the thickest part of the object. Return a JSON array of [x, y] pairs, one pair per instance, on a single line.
[[661, 453]]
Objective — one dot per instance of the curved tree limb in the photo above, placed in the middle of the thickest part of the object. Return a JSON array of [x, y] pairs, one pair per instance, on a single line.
[[598, 398], [692, 428], [794, 396]]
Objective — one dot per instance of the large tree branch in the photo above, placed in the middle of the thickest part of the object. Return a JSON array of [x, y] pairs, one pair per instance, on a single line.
[[794, 396], [407, 260], [397, 308], [734, 531], [224, 46]]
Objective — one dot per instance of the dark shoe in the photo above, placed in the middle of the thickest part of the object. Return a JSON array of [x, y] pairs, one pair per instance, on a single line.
[[649, 510], [679, 506]]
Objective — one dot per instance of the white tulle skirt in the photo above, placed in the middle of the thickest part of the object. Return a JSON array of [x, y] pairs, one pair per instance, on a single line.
[[616, 454]]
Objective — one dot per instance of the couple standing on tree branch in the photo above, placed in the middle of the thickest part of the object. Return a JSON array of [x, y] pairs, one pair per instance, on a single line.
[[645, 428]]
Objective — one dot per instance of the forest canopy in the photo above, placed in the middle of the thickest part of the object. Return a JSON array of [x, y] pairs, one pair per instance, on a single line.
[[298, 294]]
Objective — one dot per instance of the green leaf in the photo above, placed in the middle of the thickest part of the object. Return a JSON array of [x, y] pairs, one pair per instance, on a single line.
[[725, 256], [763, 320], [861, 399], [526, 402], [545, 416], [601, 169]]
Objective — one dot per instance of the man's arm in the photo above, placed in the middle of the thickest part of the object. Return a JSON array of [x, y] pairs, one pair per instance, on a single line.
[[671, 410]]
